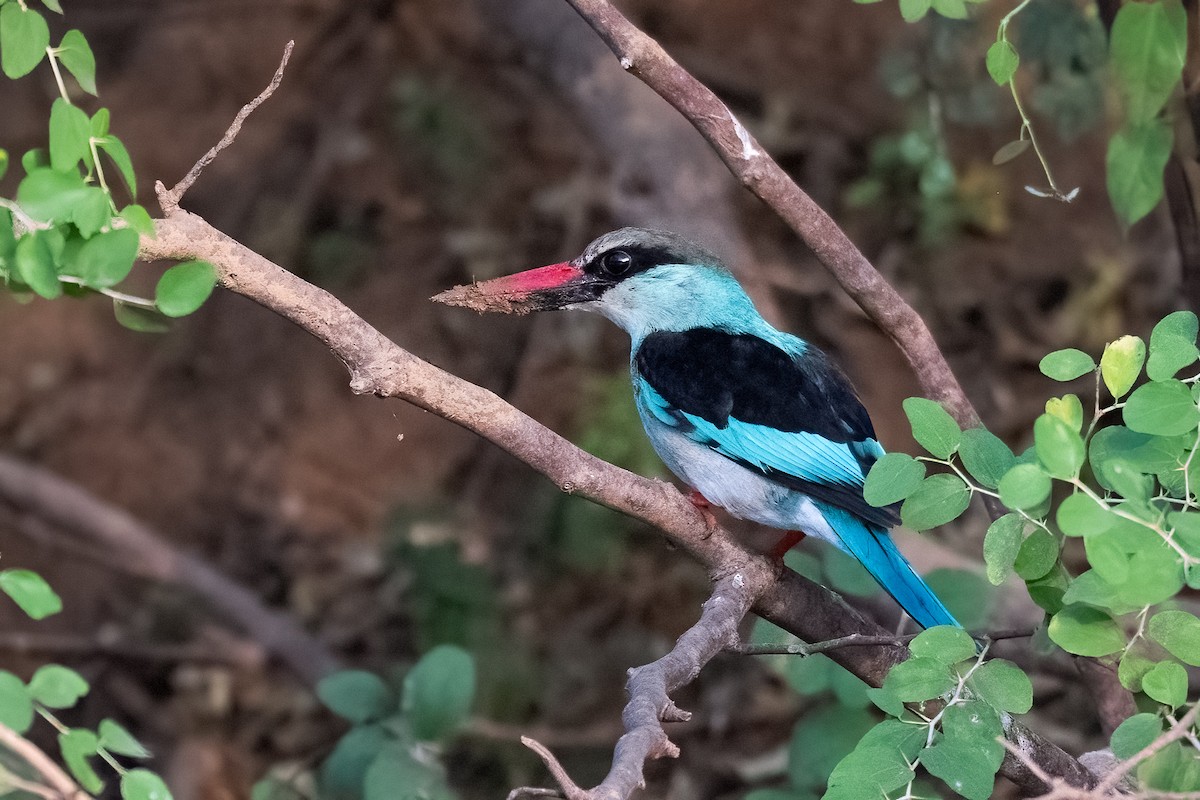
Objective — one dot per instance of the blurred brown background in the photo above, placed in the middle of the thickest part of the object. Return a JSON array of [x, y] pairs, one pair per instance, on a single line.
[[417, 144]]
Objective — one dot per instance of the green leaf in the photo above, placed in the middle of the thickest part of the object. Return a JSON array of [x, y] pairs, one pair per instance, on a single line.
[[24, 37], [1024, 486], [951, 9], [184, 287], [356, 695], [892, 478], [1002, 61], [968, 756], [77, 746], [53, 5], [1121, 364], [92, 212], [985, 456], [932, 427], [1066, 365], [51, 196], [116, 739], [1086, 631], [1172, 345], [31, 592], [438, 691], [1004, 686], [1049, 590], [1080, 515], [1108, 558], [1134, 665], [1164, 408], [821, 739], [1135, 734], [57, 686], [36, 158], [1011, 150], [1001, 545], [396, 774], [76, 55], [918, 679], [1136, 158], [3, 162], [100, 122], [939, 499], [1037, 556], [1147, 49], [944, 643], [1167, 683], [16, 706], [139, 219], [886, 701], [964, 765], [70, 130], [1125, 479], [1179, 633], [106, 259], [142, 784], [137, 318], [1068, 409], [115, 150], [342, 773], [913, 10], [35, 264], [1059, 448], [879, 763]]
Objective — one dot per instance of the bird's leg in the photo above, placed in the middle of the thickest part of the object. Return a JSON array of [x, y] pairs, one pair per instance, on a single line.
[[704, 507], [789, 540]]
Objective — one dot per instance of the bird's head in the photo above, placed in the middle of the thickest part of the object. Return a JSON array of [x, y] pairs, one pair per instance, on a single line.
[[637, 277]]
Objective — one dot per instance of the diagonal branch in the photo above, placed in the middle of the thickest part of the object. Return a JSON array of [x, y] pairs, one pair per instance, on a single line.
[[646, 59], [379, 366]]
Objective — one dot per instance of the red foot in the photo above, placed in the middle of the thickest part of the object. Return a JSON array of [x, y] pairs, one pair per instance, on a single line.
[[789, 540], [704, 507]]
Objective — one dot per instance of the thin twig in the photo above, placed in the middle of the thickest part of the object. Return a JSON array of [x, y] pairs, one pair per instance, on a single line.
[[856, 640], [170, 198], [1178, 731], [58, 780]]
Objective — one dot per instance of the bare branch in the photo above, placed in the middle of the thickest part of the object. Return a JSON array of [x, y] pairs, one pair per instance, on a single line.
[[380, 367], [56, 779], [649, 694], [142, 551], [169, 199], [856, 640], [646, 59]]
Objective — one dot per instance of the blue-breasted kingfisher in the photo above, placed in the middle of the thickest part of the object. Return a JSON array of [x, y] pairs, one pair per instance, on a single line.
[[756, 421]]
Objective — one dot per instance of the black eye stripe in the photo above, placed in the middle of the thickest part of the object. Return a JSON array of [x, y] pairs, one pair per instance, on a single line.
[[640, 258]]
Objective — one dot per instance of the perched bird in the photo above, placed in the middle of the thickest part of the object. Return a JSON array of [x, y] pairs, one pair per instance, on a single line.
[[756, 421]]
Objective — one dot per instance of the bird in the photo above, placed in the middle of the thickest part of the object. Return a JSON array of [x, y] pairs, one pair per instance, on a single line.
[[753, 420]]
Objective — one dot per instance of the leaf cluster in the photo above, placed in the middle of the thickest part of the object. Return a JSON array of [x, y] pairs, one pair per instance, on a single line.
[[64, 232], [1120, 495], [392, 749]]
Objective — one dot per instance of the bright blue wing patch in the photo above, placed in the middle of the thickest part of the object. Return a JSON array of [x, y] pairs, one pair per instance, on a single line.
[[808, 457]]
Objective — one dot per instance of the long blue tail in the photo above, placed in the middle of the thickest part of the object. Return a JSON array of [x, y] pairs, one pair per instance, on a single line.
[[874, 548]]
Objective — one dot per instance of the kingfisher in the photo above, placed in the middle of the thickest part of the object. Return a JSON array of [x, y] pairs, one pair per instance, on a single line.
[[754, 420]]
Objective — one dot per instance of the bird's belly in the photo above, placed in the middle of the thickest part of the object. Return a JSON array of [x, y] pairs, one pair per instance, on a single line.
[[742, 492]]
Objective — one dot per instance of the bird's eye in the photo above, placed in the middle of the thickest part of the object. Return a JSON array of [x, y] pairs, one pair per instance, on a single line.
[[617, 262]]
